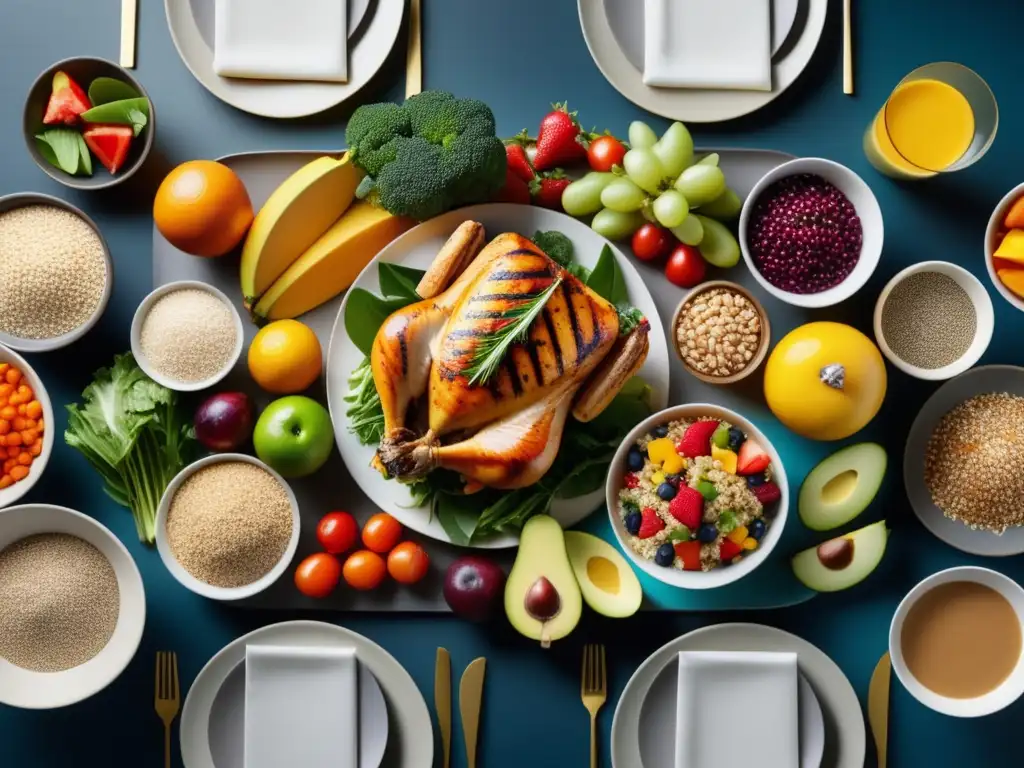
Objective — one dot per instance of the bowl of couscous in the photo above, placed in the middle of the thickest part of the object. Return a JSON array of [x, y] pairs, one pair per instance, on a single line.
[[26, 427], [57, 273], [697, 496]]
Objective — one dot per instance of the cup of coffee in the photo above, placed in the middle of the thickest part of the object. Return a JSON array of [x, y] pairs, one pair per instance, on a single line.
[[956, 642]]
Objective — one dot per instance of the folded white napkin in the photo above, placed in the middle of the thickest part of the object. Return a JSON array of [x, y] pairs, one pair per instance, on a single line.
[[281, 39], [717, 44], [301, 707], [751, 694]]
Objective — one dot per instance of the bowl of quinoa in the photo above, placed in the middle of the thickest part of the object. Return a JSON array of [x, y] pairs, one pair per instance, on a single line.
[[227, 526], [55, 273], [811, 232], [697, 496]]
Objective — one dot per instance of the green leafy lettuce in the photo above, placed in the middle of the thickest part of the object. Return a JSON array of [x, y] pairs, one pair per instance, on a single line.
[[135, 433]]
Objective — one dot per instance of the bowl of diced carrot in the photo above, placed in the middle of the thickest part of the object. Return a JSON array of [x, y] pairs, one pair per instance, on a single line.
[[26, 427]]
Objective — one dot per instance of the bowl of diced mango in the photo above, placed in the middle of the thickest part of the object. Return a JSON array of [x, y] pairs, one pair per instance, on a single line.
[[26, 427]]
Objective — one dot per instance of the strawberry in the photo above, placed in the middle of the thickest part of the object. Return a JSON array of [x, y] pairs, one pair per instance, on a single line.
[[518, 162], [547, 190], [752, 458], [515, 190], [650, 523], [559, 140], [632, 481], [728, 549], [767, 493], [689, 553], [687, 506], [697, 439]]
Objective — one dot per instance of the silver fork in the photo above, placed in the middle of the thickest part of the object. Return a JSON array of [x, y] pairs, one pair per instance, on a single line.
[[168, 696], [594, 690]]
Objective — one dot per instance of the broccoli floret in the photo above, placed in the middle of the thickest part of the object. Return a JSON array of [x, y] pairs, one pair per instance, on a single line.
[[429, 155]]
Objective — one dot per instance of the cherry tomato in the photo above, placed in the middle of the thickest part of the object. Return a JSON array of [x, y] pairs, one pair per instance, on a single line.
[[605, 152], [318, 575], [364, 570], [408, 563], [652, 242], [337, 532], [381, 533], [685, 266]]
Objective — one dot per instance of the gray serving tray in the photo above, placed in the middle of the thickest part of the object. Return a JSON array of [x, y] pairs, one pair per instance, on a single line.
[[333, 488]]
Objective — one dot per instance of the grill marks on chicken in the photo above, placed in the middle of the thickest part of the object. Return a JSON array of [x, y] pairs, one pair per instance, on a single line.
[[504, 433]]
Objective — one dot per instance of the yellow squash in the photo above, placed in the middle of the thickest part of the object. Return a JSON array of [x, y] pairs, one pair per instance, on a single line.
[[297, 213], [825, 381], [330, 265]]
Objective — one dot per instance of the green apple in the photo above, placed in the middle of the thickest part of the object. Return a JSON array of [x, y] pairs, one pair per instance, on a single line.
[[294, 436]]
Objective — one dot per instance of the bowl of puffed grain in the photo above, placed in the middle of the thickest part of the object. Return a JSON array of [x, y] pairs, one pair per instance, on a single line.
[[721, 332]]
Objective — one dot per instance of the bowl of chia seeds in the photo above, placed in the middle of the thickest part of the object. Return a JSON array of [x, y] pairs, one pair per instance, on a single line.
[[934, 320], [811, 232]]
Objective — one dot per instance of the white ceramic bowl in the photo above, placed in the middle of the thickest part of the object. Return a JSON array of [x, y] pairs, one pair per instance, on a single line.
[[721, 576], [20, 200], [48, 690], [136, 336], [993, 701], [995, 224], [14, 492], [863, 201], [186, 578], [982, 310]]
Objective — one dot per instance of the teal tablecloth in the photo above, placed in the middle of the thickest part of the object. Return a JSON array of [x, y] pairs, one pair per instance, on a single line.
[[520, 56]]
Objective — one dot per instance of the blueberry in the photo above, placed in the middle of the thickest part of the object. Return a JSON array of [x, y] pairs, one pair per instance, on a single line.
[[757, 528], [674, 480], [635, 459], [666, 555], [661, 431], [667, 491], [707, 533], [736, 438], [632, 522], [755, 480]]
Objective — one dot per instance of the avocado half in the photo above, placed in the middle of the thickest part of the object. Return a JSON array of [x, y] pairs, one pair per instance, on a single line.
[[841, 486], [844, 561], [542, 598], [606, 581]]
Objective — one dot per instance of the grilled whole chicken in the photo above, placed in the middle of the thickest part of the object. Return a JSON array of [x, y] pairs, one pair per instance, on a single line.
[[504, 432]]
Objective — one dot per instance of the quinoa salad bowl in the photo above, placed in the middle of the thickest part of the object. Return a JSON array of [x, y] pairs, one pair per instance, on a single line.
[[58, 275], [697, 496], [227, 526], [811, 232]]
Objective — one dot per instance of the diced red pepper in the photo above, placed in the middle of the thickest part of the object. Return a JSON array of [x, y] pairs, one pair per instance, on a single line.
[[689, 553]]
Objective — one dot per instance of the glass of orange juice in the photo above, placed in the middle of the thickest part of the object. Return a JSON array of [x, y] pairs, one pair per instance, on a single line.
[[940, 118]]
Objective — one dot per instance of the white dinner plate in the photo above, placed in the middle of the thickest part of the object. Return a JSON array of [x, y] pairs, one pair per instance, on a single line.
[[977, 381], [613, 30], [658, 714], [845, 738], [371, 38], [212, 719], [417, 248]]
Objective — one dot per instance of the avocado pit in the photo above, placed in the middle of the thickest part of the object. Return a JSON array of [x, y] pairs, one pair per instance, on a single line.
[[836, 554], [542, 600]]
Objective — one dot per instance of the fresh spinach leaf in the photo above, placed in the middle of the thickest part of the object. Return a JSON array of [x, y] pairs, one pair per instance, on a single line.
[[606, 278], [365, 313], [63, 143], [84, 157], [138, 120], [103, 90], [398, 281], [556, 245], [586, 477], [458, 516]]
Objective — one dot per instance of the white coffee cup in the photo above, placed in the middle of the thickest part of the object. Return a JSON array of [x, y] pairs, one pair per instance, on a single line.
[[998, 698]]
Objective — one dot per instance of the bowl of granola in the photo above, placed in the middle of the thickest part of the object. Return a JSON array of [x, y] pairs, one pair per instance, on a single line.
[[697, 496]]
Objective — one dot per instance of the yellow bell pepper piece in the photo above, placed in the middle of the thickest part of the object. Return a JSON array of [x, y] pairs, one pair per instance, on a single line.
[[726, 457], [738, 535], [661, 449], [750, 543], [674, 464], [658, 478]]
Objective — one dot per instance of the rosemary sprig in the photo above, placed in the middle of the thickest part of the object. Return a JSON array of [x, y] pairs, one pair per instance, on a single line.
[[489, 353]]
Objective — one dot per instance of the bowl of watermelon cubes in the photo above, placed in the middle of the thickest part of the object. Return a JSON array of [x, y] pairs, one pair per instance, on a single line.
[[697, 496], [88, 124]]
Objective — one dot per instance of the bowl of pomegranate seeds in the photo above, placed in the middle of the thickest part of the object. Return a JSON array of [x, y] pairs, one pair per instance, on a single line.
[[811, 232]]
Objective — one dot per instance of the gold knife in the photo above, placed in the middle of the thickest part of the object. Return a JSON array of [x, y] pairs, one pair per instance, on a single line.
[[443, 701], [414, 53], [878, 707], [129, 15], [471, 691]]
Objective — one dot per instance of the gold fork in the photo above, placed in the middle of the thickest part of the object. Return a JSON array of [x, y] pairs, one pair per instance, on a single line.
[[168, 696], [594, 690]]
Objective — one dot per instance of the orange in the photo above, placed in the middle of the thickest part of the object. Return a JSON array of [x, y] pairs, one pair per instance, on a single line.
[[285, 357], [202, 208]]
